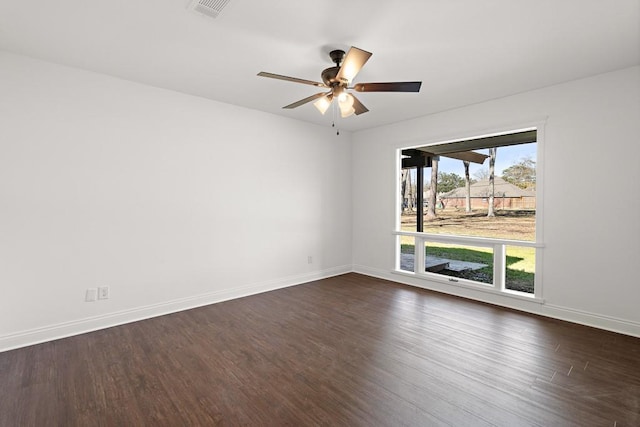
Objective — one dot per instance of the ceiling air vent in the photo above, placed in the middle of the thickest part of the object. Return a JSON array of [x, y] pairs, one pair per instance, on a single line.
[[210, 8]]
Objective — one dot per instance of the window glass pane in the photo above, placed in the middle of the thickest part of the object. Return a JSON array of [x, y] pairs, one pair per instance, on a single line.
[[521, 266], [406, 253], [463, 210], [460, 261], [408, 200]]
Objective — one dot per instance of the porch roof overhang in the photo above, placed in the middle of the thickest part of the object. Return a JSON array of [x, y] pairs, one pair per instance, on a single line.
[[463, 150]]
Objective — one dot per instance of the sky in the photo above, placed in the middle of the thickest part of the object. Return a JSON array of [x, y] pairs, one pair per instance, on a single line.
[[505, 157]]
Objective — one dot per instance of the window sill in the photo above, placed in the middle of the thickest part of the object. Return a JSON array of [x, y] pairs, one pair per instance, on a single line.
[[466, 284], [450, 238]]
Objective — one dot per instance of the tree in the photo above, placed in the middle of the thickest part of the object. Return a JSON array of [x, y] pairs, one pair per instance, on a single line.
[[433, 189], [481, 174], [467, 185], [522, 174], [492, 167], [449, 181], [407, 190]]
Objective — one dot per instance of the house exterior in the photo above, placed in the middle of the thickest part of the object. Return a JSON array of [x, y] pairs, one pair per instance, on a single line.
[[506, 196]]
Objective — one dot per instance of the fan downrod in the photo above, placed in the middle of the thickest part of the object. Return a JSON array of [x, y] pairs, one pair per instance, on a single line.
[[337, 56]]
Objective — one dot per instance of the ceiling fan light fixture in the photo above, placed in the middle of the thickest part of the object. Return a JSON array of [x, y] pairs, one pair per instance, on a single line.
[[323, 104], [346, 106], [346, 100], [340, 93], [338, 80], [346, 112]]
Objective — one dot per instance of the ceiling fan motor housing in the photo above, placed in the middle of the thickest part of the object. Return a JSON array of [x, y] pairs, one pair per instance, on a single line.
[[329, 74]]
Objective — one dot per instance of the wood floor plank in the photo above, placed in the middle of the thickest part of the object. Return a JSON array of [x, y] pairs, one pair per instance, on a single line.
[[351, 350]]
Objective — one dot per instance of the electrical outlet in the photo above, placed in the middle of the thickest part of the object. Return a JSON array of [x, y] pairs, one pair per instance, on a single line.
[[309, 259], [103, 292], [91, 295]]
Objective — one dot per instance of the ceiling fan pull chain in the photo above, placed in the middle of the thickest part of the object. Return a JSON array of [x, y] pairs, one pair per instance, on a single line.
[[334, 111], [333, 114]]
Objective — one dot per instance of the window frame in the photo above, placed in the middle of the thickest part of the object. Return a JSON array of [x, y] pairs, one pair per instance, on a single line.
[[499, 245]]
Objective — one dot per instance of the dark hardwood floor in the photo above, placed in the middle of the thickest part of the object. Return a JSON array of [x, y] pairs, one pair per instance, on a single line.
[[350, 350]]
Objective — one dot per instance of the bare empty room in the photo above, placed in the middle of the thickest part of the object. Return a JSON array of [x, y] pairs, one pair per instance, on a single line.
[[349, 213]]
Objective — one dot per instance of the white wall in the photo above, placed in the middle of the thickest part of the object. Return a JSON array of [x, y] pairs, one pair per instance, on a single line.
[[591, 148], [171, 200]]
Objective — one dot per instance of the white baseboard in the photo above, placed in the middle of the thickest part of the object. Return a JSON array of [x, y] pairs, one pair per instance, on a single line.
[[599, 321], [80, 326], [595, 320]]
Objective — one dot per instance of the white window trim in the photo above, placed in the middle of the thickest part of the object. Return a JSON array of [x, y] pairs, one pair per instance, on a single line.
[[498, 244], [499, 267]]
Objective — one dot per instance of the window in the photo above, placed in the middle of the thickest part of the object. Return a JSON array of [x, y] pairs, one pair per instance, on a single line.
[[468, 212]]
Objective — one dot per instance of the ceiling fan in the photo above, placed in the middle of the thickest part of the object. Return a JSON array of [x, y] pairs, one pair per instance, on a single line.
[[338, 80]]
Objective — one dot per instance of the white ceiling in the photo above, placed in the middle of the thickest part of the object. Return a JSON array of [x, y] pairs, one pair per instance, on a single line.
[[464, 51]]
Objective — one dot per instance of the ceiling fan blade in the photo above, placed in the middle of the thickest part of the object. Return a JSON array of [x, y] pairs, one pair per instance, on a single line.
[[352, 64], [291, 79], [305, 100], [358, 106], [388, 87]]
